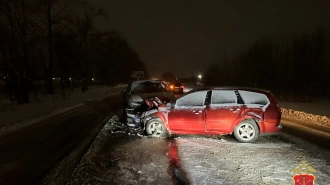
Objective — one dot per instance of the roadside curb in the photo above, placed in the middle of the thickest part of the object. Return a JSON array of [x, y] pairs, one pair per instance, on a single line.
[[61, 171]]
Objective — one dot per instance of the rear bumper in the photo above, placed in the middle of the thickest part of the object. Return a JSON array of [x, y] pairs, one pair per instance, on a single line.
[[274, 131]]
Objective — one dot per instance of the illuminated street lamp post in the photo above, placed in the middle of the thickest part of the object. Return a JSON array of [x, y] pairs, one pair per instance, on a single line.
[[199, 79]]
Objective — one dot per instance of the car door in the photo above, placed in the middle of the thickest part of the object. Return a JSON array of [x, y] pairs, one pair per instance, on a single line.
[[223, 111], [188, 114]]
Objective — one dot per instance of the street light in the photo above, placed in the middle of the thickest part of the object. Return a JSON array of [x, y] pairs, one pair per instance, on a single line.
[[199, 79]]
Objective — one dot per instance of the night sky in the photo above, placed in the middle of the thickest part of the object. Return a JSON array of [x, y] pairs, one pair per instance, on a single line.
[[185, 36]]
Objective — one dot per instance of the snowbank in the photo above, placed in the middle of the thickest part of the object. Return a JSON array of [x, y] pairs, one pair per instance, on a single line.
[[317, 114], [14, 116], [306, 117]]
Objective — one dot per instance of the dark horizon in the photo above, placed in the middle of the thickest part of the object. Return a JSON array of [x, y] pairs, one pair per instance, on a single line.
[[171, 35], [281, 46]]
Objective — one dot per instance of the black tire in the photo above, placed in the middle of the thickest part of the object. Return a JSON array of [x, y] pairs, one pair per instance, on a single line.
[[156, 128], [247, 131]]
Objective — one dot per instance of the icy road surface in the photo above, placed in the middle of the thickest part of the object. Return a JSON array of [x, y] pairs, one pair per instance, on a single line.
[[118, 158]]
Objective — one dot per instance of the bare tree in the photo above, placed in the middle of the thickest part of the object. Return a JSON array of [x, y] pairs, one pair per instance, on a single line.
[[83, 25], [16, 14], [52, 15]]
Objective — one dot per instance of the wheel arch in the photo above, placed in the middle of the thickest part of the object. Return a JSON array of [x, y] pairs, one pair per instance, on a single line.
[[150, 123], [157, 115]]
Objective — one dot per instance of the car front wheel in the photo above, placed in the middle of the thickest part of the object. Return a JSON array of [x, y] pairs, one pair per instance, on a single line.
[[246, 132], [156, 128]]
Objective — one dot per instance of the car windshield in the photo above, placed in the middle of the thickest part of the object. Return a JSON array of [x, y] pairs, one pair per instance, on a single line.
[[147, 87]]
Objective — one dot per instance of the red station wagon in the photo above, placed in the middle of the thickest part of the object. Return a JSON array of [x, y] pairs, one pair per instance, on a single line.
[[244, 112]]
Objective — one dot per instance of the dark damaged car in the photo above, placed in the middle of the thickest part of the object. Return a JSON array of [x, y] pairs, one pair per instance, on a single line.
[[246, 113], [135, 95]]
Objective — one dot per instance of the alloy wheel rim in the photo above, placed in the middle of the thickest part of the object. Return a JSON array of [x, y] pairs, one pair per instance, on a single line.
[[156, 128], [246, 131]]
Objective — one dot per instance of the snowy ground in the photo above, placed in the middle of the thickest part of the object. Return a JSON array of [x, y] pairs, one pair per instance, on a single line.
[[269, 161], [205, 160], [130, 161], [14, 116]]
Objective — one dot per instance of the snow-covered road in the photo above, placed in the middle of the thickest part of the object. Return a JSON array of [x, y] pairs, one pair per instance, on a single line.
[[205, 160], [118, 158], [269, 161]]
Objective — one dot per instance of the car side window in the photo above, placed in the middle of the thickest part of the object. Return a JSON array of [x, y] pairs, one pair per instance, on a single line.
[[138, 88], [153, 87], [253, 97], [220, 97], [193, 99]]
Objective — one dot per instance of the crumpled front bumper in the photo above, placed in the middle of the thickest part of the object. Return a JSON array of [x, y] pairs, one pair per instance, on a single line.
[[132, 119]]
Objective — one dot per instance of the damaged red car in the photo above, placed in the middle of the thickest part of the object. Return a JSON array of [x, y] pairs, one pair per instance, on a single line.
[[247, 113]]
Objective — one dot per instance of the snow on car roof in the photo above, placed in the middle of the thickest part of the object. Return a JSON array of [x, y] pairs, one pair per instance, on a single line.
[[233, 88]]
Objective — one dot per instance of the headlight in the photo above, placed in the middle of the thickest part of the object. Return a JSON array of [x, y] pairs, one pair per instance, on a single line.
[[135, 105]]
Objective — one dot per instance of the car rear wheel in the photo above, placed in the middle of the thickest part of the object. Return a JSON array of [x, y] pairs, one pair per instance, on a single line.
[[156, 128], [246, 132]]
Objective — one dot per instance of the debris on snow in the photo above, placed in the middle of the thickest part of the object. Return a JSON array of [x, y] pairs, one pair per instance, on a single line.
[[115, 126]]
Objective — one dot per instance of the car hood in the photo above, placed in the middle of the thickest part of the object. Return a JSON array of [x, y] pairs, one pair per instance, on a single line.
[[136, 98], [143, 96]]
